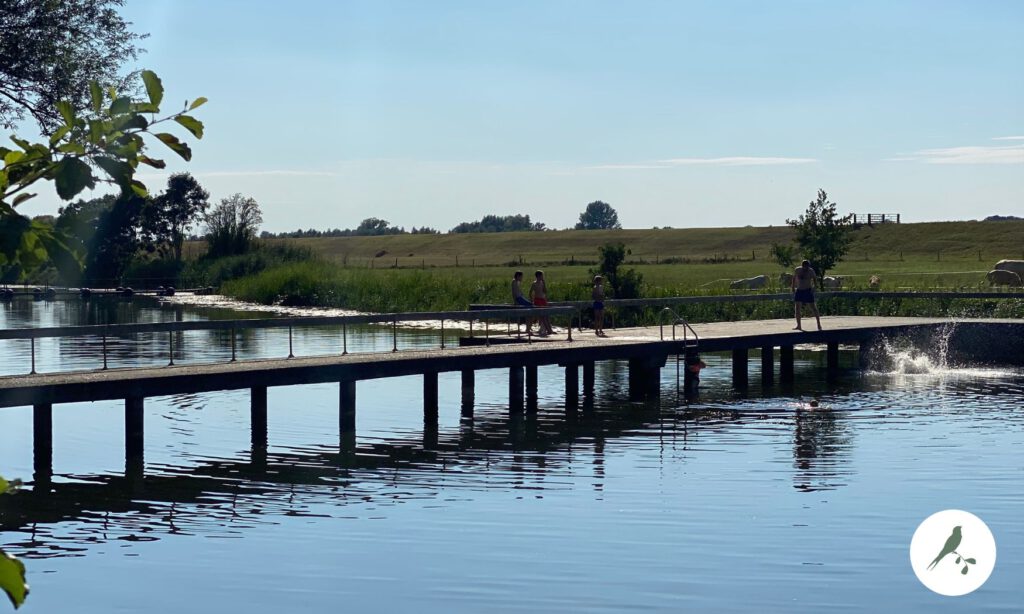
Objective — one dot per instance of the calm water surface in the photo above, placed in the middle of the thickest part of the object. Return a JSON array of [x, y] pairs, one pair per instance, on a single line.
[[734, 503]]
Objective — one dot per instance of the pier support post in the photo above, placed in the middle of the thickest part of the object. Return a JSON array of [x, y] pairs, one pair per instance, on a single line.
[[531, 389], [42, 444], [134, 436], [767, 365], [786, 364], [832, 356], [468, 392], [347, 415], [588, 379], [864, 355], [515, 389], [572, 386], [430, 395], [258, 415], [739, 367], [645, 377]]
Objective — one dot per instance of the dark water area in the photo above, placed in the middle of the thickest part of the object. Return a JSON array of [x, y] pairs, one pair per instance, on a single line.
[[740, 501]]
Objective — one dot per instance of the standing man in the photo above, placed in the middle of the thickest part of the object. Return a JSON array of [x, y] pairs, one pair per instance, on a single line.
[[803, 286]]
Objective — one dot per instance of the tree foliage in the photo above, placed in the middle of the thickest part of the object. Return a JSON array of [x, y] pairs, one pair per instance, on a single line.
[[599, 215], [12, 571], [168, 217], [500, 223], [231, 226], [51, 51], [822, 235], [622, 284], [100, 144]]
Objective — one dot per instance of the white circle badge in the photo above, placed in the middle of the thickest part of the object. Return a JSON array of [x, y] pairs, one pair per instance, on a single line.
[[953, 552]]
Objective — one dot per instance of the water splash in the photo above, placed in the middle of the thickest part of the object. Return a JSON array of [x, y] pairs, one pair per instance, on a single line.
[[910, 356]]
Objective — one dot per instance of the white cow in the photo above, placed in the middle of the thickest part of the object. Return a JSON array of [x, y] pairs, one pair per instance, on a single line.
[[785, 279], [1002, 277], [752, 283], [1017, 266], [832, 283]]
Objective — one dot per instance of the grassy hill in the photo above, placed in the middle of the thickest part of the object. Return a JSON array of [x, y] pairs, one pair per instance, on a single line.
[[938, 241]]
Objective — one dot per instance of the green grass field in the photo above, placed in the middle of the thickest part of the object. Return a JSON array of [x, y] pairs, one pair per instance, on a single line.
[[938, 255]]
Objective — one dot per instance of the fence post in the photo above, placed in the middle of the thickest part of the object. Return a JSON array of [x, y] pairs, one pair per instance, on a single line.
[[290, 354]]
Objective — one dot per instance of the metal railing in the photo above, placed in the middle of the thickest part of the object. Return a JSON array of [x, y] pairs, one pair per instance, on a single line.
[[676, 321], [393, 319]]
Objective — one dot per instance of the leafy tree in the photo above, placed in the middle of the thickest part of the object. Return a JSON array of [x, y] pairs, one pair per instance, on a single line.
[[231, 226], [101, 144], [784, 254], [12, 571], [822, 235], [599, 215], [51, 50], [169, 216], [372, 226], [496, 223], [623, 284]]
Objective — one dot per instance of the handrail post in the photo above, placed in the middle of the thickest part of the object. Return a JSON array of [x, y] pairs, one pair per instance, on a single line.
[[487, 336], [170, 347], [570, 328], [344, 339], [442, 333], [104, 349], [394, 335], [290, 354], [232, 344], [471, 329], [32, 341]]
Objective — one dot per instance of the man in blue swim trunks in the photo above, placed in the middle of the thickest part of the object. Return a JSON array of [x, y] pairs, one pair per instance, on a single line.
[[803, 288]]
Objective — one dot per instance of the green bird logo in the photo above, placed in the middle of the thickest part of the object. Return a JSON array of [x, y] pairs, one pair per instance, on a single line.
[[952, 542]]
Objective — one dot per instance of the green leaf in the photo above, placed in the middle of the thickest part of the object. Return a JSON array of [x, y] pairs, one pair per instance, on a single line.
[[177, 146], [73, 176], [67, 112], [139, 188], [198, 102], [97, 96], [152, 162], [12, 579], [964, 570], [120, 172], [971, 561], [72, 148], [59, 134], [20, 198], [154, 87], [13, 157], [957, 560], [121, 105], [191, 124]]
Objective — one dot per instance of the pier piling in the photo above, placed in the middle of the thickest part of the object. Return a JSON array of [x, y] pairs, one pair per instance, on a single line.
[[767, 365]]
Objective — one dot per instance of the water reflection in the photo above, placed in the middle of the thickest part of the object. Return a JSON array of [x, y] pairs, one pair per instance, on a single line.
[[821, 448]]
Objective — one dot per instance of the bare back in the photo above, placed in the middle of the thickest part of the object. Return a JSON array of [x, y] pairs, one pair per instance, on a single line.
[[803, 278]]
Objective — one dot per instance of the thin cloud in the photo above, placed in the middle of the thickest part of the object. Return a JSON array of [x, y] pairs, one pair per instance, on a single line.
[[271, 173], [1008, 138], [1002, 154], [724, 161]]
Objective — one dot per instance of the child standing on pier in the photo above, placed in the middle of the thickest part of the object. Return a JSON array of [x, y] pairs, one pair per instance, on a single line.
[[597, 295]]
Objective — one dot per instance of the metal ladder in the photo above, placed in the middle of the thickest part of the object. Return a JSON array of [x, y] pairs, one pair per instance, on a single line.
[[688, 331]]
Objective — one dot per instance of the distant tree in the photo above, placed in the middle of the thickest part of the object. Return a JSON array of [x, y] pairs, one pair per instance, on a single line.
[[500, 223], [599, 215], [822, 235], [622, 284], [108, 231], [424, 230], [784, 254], [373, 227], [172, 214], [231, 225], [50, 51]]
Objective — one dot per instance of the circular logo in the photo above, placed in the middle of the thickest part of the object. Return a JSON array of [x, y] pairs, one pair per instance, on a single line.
[[953, 552]]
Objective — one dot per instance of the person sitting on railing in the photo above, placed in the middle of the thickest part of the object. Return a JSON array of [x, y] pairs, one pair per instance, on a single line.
[[519, 300]]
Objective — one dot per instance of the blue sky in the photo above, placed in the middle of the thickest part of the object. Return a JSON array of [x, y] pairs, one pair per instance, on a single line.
[[677, 113]]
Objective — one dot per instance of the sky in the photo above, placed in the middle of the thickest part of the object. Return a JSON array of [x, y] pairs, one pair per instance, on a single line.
[[681, 114]]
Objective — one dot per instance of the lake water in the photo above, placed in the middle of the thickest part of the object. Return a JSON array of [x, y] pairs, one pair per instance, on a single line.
[[736, 502]]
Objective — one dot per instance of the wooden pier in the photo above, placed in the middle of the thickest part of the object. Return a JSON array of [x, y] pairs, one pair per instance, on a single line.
[[646, 350]]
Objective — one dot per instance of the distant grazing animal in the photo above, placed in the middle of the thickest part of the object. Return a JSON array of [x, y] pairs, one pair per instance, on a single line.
[[752, 283], [785, 279], [832, 283], [874, 282], [1002, 277], [1017, 266]]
